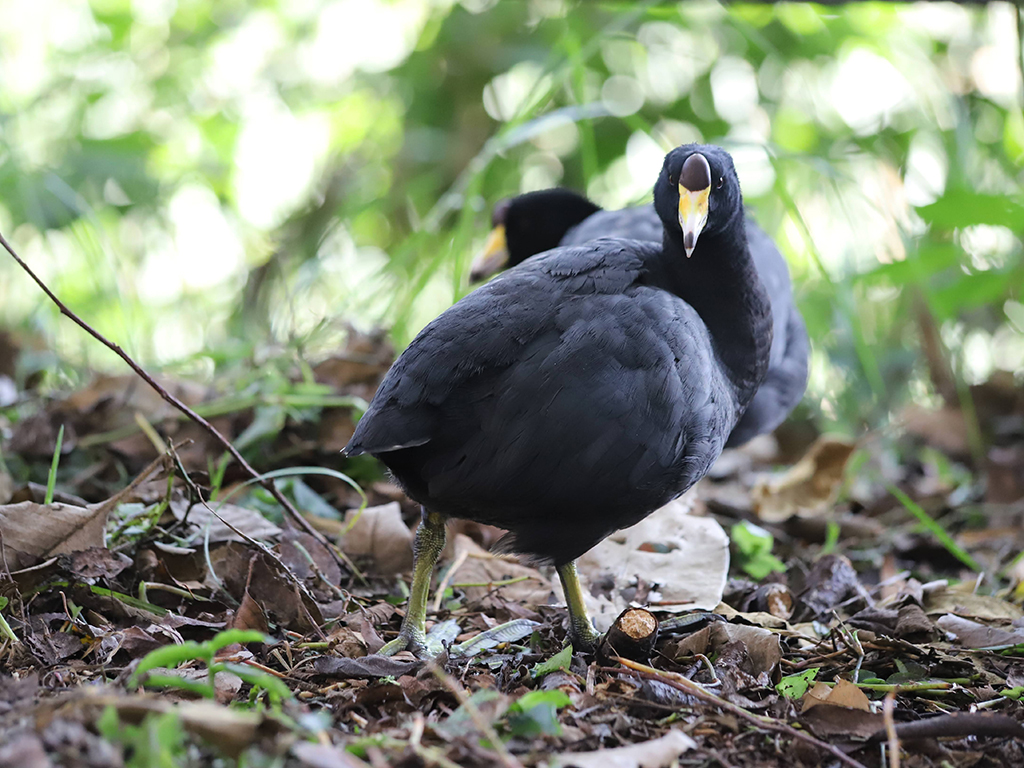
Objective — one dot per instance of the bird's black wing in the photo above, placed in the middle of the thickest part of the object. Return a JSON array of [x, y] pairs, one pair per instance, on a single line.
[[563, 400], [787, 370], [782, 389], [774, 273], [787, 374], [640, 223], [487, 331]]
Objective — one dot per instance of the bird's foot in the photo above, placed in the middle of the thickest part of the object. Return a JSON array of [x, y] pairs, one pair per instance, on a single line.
[[411, 640], [583, 636]]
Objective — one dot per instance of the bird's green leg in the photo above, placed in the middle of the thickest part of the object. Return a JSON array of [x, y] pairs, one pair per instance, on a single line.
[[582, 633], [426, 549]]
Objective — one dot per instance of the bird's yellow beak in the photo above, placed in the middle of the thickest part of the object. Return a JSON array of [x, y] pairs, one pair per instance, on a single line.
[[694, 192], [492, 258], [693, 215]]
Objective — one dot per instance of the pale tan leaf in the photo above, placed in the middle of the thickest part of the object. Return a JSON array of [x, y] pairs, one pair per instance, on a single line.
[[809, 487], [985, 607], [6, 487], [685, 556], [325, 756], [380, 534], [655, 753], [846, 694], [762, 650], [230, 729]]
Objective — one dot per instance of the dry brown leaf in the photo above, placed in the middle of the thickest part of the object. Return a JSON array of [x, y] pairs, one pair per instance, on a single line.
[[971, 634], [691, 645], [33, 532], [297, 548], [365, 360], [686, 556], [118, 398], [817, 695], [249, 615], [655, 753], [985, 607], [809, 487], [232, 730], [830, 722], [95, 563], [334, 429], [239, 569], [1004, 474], [226, 684], [282, 599], [844, 694], [760, 648], [840, 710], [137, 642], [223, 519], [913, 624], [479, 567], [380, 534]]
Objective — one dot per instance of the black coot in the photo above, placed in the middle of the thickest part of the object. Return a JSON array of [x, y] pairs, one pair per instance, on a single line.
[[538, 221], [581, 390]]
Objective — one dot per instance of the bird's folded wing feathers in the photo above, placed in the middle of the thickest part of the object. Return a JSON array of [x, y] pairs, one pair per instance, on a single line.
[[486, 331], [640, 223]]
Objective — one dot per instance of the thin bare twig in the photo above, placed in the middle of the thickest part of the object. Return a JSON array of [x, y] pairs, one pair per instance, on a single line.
[[448, 578], [697, 691], [167, 396], [300, 588], [892, 740]]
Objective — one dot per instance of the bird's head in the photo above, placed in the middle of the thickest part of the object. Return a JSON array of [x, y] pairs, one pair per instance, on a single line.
[[526, 225], [697, 192]]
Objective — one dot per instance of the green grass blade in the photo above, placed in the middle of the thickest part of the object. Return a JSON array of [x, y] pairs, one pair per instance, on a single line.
[[51, 480], [937, 530]]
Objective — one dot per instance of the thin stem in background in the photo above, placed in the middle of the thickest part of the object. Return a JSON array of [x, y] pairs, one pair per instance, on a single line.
[[168, 397]]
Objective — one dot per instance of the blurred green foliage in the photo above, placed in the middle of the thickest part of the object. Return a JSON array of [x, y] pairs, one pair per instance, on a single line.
[[201, 179]]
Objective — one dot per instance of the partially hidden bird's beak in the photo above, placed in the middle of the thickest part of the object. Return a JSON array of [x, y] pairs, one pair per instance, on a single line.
[[694, 192], [493, 258]]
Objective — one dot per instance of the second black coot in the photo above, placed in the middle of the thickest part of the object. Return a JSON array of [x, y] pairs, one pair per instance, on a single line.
[[538, 221], [578, 392]]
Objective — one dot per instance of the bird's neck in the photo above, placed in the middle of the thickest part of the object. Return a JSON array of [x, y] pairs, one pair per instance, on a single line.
[[728, 294]]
